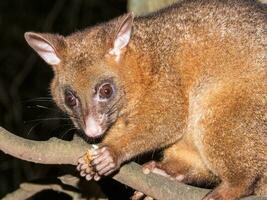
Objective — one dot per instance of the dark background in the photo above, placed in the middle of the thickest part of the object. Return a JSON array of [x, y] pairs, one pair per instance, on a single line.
[[26, 108]]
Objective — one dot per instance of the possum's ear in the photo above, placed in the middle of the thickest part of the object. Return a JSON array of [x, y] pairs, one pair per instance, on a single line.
[[48, 46], [123, 35]]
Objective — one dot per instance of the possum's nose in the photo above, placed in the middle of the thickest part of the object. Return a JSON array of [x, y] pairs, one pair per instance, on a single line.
[[92, 128]]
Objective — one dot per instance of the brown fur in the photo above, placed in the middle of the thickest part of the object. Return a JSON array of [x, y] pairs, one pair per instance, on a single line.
[[195, 83]]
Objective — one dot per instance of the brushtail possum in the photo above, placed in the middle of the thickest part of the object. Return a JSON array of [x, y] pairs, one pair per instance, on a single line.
[[190, 79]]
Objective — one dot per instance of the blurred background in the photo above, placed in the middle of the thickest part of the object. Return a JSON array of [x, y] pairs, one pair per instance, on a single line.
[[26, 108]]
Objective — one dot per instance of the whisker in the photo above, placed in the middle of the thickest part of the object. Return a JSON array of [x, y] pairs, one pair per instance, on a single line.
[[47, 108], [48, 99], [63, 135], [114, 105], [55, 110], [31, 129], [40, 100], [112, 112], [48, 119]]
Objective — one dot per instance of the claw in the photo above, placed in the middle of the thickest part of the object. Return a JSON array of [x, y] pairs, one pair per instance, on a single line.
[[148, 198], [82, 173], [137, 195], [140, 195], [88, 177], [97, 177]]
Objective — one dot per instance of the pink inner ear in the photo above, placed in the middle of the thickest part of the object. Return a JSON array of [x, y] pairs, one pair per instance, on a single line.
[[121, 41], [43, 48], [47, 52], [123, 36]]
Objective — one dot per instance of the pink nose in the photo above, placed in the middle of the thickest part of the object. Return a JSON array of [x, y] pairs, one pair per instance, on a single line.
[[92, 127]]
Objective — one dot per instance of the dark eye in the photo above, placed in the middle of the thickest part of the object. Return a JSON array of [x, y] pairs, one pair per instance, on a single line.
[[105, 91], [70, 99]]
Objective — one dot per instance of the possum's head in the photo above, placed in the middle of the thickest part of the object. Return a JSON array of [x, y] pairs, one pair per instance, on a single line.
[[93, 81]]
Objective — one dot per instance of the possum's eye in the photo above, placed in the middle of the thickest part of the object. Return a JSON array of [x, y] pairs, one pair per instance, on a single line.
[[105, 91], [70, 99]]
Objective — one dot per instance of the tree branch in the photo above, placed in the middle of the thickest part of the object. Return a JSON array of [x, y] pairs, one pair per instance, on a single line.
[[27, 190], [55, 151]]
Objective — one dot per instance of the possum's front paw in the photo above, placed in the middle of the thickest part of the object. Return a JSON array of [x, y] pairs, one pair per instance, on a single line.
[[98, 162], [105, 161], [85, 167]]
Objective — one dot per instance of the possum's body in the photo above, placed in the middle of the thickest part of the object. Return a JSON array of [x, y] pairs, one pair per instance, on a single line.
[[191, 78]]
